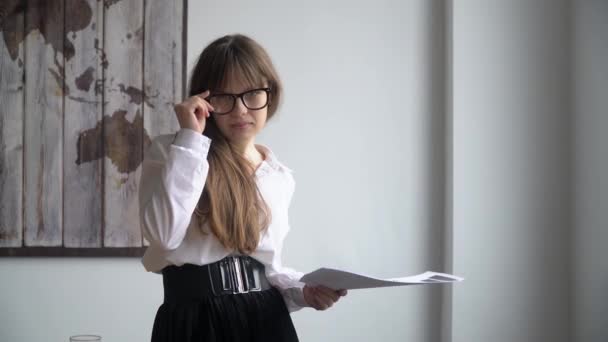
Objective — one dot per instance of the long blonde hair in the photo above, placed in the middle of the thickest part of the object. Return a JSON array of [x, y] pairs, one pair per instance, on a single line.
[[231, 202]]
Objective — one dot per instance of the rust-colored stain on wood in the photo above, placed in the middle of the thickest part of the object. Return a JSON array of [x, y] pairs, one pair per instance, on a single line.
[[89, 145], [8, 25], [8, 234], [49, 13], [123, 144], [109, 3], [104, 59], [136, 95], [83, 82], [123, 141]]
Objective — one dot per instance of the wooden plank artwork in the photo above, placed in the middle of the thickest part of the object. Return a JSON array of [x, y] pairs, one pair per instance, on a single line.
[[85, 85], [11, 131], [82, 210], [163, 87], [43, 123]]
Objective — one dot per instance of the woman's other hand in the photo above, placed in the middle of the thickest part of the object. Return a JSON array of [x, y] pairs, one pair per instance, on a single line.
[[321, 297]]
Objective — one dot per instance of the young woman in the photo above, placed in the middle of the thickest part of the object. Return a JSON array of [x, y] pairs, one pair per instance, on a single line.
[[214, 207]]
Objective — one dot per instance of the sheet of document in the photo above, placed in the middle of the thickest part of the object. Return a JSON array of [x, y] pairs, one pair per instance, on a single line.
[[339, 279]]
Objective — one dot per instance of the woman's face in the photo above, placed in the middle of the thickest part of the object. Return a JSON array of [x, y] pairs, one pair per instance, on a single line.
[[241, 125]]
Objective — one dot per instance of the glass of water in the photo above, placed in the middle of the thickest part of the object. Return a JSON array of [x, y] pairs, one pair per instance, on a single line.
[[85, 338]]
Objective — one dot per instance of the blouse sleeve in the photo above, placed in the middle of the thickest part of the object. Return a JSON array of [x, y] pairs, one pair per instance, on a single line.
[[287, 280], [172, 181]]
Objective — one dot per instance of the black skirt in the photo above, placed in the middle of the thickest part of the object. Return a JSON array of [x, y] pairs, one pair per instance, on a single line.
[[254, 316]]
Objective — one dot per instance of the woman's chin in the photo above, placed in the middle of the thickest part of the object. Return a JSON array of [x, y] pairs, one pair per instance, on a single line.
[[240, 137]]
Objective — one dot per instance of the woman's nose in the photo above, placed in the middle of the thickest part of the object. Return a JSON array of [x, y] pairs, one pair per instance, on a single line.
[[239, 107]]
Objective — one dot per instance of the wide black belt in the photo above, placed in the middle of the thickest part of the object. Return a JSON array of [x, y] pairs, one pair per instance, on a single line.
[[231, 275]]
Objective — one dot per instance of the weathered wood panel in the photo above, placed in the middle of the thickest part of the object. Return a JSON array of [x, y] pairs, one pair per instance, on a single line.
[[85, 84], [123, 122], [72, 252], [43, 126], [82, 140], [11, 129], [162, 66]]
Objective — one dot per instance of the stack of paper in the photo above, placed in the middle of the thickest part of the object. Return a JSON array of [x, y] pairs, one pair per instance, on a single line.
[[339, 279]]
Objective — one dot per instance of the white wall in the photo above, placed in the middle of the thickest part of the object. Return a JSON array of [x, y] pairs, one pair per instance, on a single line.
[[590, 233], [511, 161], [50, 299]]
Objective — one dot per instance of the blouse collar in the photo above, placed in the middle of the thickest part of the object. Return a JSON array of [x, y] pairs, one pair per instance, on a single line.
[[270, 160]]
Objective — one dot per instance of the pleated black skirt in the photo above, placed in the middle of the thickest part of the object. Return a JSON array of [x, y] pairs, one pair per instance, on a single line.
[[247, 317]]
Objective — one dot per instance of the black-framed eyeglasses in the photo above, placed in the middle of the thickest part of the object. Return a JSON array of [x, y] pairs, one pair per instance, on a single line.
[[253, 99]]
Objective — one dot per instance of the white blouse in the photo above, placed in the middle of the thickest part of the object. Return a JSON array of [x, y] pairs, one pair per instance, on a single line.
[[174, 171]]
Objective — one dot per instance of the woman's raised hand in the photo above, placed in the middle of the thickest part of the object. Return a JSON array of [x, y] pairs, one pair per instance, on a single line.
[[193, 112]]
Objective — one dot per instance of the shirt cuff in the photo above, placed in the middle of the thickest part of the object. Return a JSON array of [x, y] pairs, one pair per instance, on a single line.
[[189, 138], [298, 297], [294, 298]]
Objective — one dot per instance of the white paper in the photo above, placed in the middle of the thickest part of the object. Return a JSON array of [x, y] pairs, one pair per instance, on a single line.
[[339, 279]]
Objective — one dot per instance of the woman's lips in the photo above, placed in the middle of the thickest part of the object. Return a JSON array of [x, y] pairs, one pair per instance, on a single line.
[[241, 124]]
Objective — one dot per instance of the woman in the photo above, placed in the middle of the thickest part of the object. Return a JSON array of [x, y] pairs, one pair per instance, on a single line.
[[214, 207]]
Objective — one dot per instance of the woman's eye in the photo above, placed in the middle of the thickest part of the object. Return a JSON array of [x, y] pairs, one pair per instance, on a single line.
[[219, 99]]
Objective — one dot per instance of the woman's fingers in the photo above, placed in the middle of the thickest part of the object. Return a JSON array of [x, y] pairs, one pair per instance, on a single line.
[[193, 112], [200, 111], [204, 94], [207, 104], [321, 297], [203, 107], [327, 296], [211, 109], [329, 301], [315, 299], [323, 301], [326, 291], [311, 297]]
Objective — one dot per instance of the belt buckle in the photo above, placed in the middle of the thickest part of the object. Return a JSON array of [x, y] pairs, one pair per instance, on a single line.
[[219, 278], [252, 277], [238, 276], [235, 275]]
